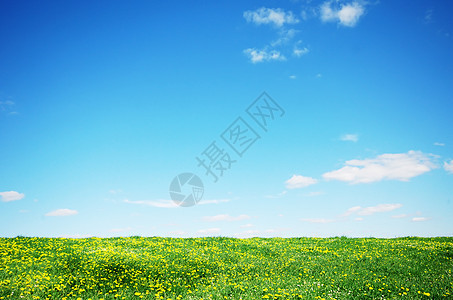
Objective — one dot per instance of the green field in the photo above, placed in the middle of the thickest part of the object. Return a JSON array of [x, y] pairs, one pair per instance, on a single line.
[[226, 268]]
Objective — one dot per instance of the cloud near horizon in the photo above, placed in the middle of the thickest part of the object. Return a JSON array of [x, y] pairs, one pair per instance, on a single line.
[[370, 210], [398, 166]]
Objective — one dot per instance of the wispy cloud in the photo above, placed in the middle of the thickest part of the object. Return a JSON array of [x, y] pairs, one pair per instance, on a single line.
[[401, 216], [300, 51], [344, 14], [358, 211], [448, 166], [62, 212], [349, 137], [11, 196], [292, 76], [399, 166], [299, 181], [428, 18], [213, 201], [370, 210], [7, 107], [257, 56], [285, 36], [275, 16], [225, 217], [419, 219], [162, 203], [439, 144]]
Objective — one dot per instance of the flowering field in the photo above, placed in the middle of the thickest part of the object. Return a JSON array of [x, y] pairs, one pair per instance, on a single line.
[[226, 268]]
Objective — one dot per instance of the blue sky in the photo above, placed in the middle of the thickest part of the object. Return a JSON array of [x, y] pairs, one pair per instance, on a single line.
[[103, 104]]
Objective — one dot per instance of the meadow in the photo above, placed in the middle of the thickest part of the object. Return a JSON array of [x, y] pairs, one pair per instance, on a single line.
[[226, 268]]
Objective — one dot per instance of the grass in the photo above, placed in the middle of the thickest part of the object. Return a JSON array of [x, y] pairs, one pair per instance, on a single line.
[[226, 268]]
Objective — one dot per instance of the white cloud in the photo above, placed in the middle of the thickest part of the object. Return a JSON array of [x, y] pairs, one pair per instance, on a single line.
[[351, 210], [349, 137], [213, 201], [299, 52], [225, 217], [285, 35], [448, 166], [209, 231], [346, 15], [366, 211], [358, 219], [11, 196], [399, 166], [299, 181], [439, 144], [62, 212], [257, 56], [319, 220], [159, 203], [314, 194], [419, 219], [292, 77], [399, 216], [275, 16]]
